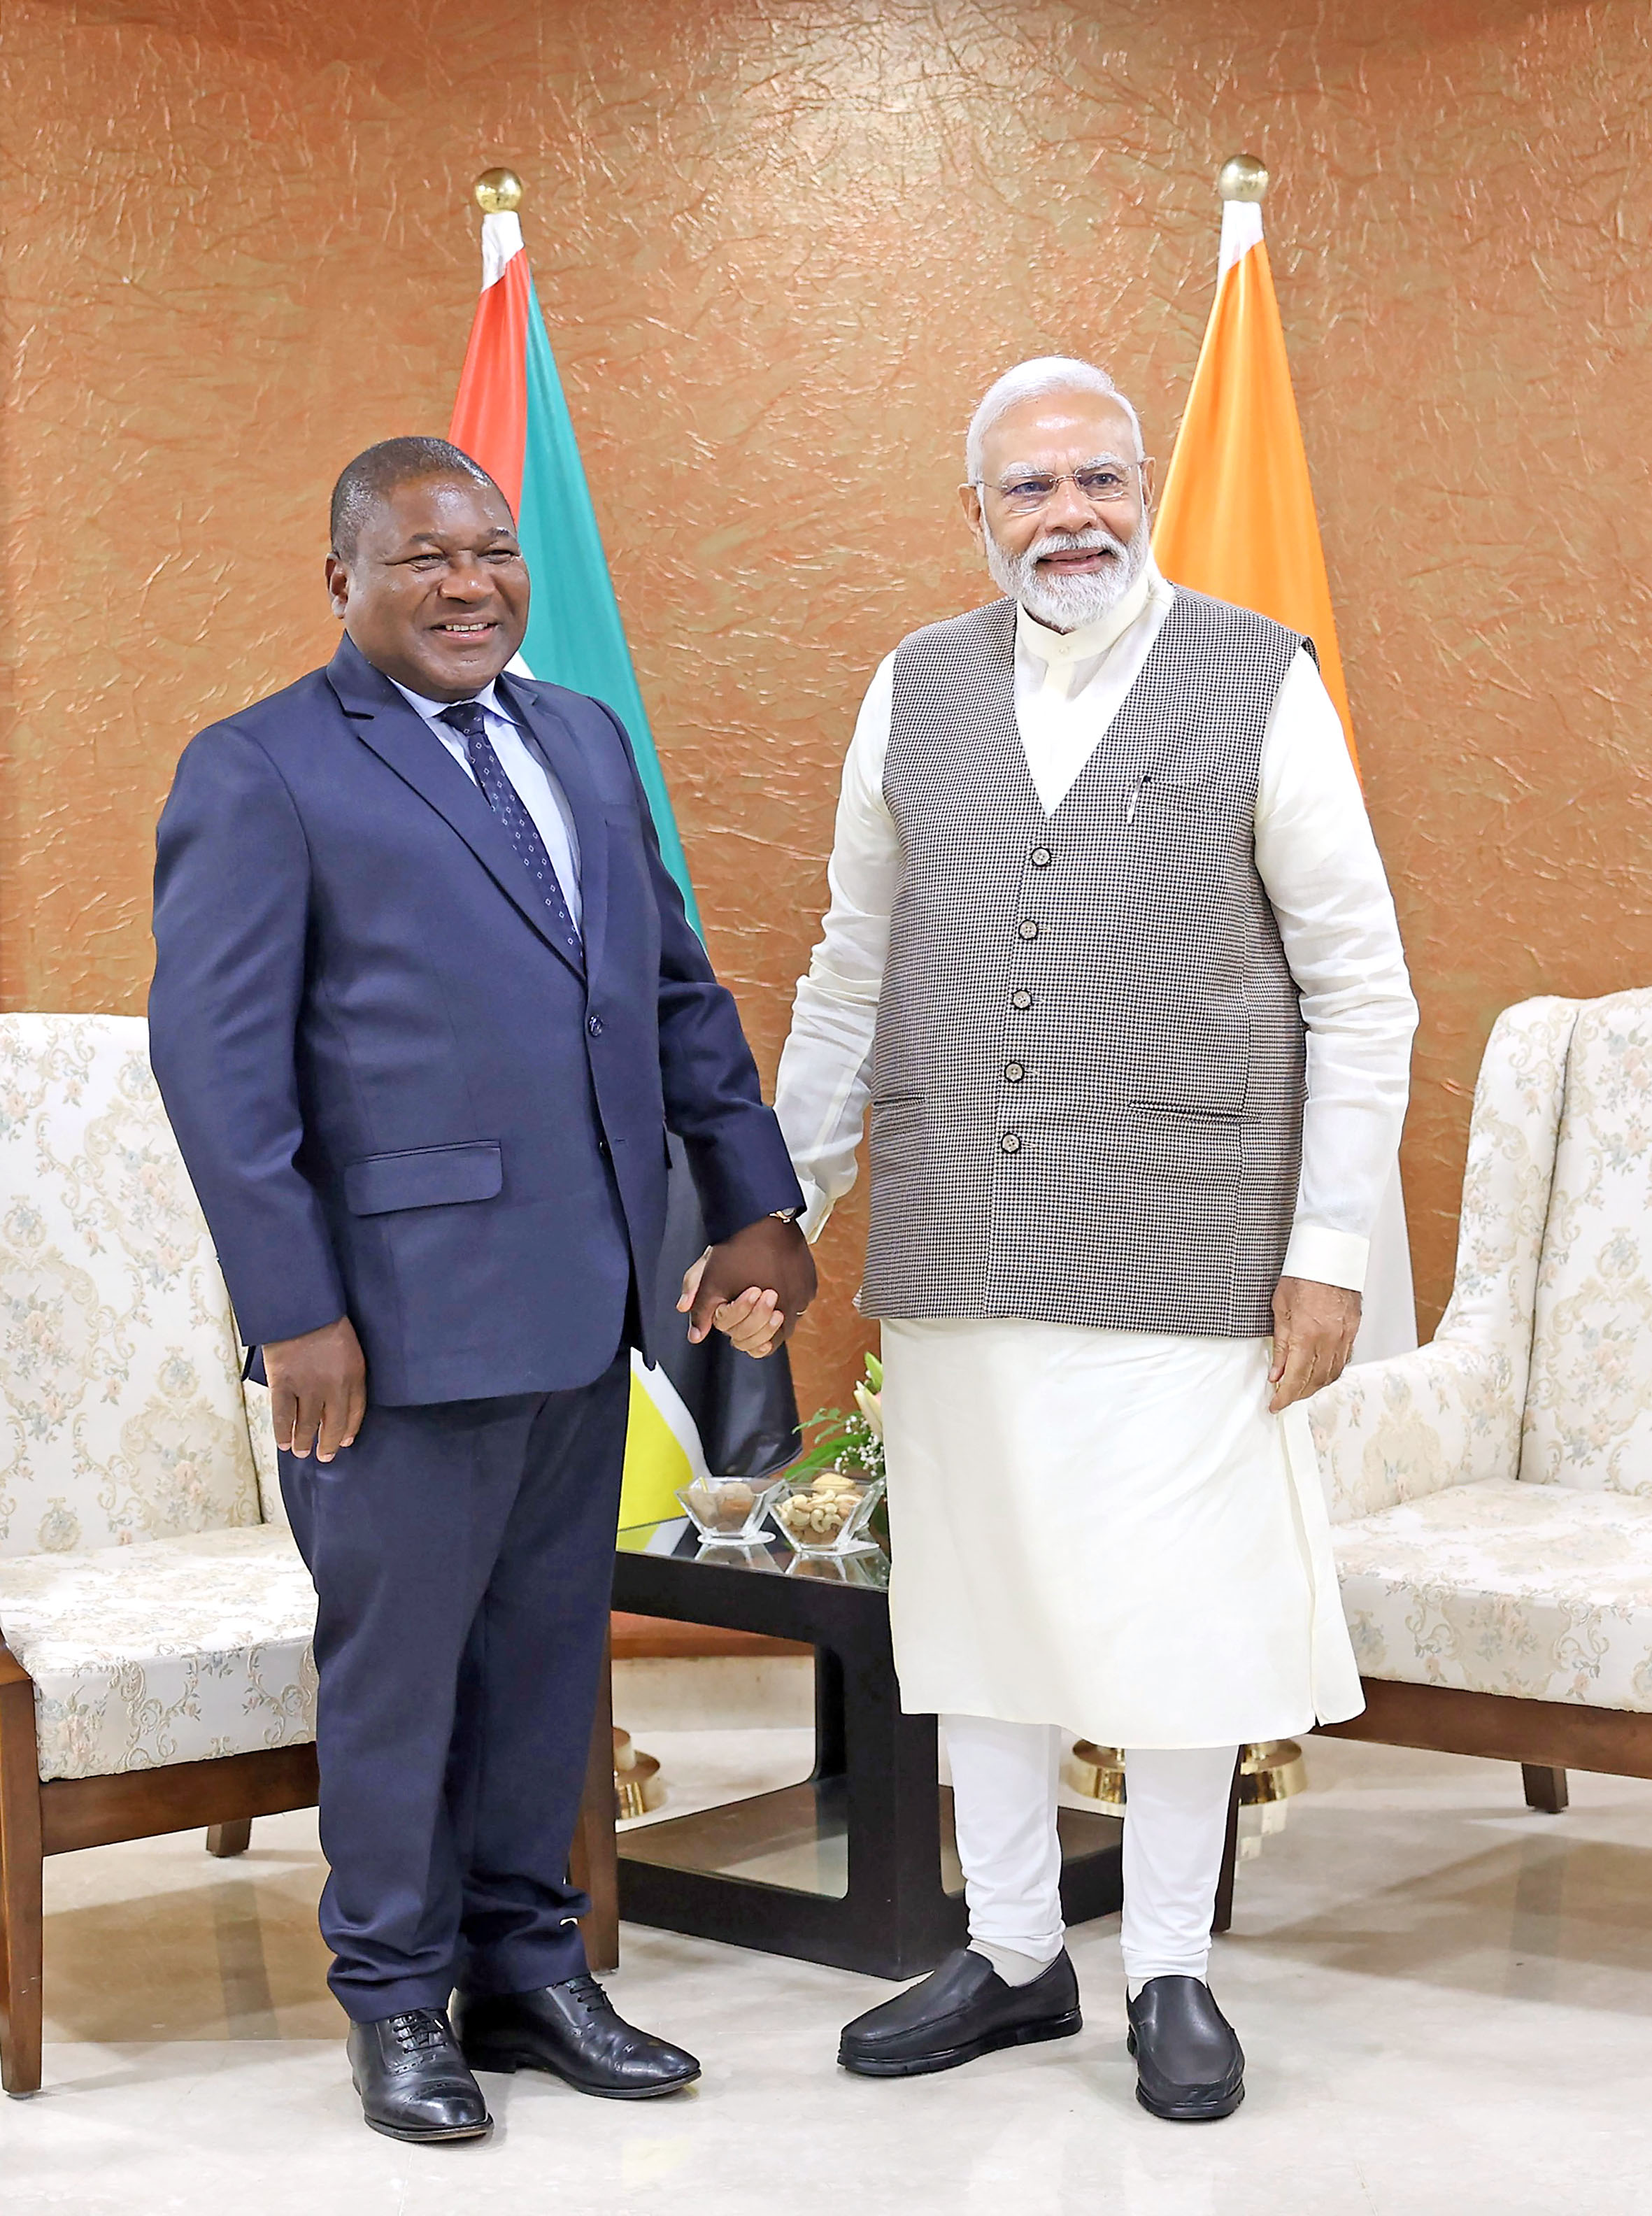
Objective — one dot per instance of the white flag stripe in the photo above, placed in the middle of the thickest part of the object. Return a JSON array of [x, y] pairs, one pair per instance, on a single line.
[[501, 238], [1241, 230], [672, 1412]]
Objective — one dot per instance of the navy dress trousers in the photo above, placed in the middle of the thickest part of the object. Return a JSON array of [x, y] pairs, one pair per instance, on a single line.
[[409, 1090]]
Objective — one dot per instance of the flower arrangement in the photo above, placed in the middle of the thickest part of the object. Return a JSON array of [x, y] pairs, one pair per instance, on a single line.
[[853, 1443]]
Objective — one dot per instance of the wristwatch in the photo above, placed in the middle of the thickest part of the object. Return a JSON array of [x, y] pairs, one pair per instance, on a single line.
[[784, 1214]]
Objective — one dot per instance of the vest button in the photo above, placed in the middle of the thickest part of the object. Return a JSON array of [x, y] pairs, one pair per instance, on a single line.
[[1028, 929], [1013, 1072], [1041, 857], [1010, 1143], [1021, 998]]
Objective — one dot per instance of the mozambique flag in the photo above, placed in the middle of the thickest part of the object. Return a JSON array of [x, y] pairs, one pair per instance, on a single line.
[[708, 1407], [1236, 519]]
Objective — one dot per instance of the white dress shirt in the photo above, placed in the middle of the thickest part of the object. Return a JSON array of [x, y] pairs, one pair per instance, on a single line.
[[1317, 861], [539, 792]]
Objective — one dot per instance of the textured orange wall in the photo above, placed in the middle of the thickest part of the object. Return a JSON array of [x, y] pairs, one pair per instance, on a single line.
[[782, 250]]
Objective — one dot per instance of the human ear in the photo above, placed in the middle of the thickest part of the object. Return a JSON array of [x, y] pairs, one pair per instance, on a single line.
[[338, 585]]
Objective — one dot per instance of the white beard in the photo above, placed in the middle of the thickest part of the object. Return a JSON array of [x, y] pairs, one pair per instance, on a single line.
[[1068, 603]]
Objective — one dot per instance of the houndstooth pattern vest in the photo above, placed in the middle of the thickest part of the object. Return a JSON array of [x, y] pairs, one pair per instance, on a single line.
[[1087, 1082]]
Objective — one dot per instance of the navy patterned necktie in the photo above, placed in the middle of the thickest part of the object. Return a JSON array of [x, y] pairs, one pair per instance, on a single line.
[[466, 717]]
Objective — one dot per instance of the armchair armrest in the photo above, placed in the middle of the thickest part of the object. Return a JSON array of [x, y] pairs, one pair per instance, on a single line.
[[1395, 1430], [12, 1672], [261, 1433]]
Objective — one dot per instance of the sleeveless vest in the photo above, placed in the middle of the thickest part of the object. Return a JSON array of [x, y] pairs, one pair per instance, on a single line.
[[1088, 1076]]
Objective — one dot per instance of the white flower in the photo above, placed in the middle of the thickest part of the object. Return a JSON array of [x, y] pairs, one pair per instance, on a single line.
[[870, 1405]]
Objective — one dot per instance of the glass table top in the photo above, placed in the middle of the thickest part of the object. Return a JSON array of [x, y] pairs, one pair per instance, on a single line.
[[769, 1556]]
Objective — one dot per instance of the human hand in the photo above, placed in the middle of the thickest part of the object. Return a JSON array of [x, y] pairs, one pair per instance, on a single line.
[[318, 1389], [754, 1287], [1314, 1326], [752, 1322]]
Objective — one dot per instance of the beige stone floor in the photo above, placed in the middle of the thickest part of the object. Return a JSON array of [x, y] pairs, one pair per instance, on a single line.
[[1446, 2000]]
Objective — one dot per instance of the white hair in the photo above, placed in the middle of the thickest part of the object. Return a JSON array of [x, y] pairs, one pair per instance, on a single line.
[[1028, 381]]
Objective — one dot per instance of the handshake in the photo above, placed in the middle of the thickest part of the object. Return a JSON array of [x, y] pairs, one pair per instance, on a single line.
[[754, 1287]]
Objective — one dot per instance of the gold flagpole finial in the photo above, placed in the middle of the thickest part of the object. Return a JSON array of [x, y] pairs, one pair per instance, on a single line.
[[1243, 178], [499, 192]]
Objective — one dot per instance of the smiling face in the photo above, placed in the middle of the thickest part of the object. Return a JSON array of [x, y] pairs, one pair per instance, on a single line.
[[1070, 559], [435, 593]]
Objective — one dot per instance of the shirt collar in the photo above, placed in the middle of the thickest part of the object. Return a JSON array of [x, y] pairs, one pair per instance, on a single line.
[[1092, 639], [431, 710]]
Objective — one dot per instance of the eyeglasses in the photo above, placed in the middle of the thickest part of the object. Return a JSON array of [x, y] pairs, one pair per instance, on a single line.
[[1103, 485]]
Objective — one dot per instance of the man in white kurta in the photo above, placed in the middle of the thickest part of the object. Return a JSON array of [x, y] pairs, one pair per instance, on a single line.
[[1113, 1532]]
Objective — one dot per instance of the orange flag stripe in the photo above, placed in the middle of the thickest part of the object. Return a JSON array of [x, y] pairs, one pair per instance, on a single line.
[[1235, 518]]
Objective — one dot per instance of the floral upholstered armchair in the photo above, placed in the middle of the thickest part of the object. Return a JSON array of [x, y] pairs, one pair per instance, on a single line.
[[1491, 1493], [155, 1616]]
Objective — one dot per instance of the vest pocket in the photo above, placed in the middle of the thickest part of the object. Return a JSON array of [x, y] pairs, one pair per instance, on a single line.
[[895, 1135], [1194, 1113]]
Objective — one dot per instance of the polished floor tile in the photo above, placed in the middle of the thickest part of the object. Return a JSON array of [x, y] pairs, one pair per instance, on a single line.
[[1446, 2000]]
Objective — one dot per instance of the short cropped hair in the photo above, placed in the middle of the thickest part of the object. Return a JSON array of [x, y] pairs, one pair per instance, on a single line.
[[1030, 380], [378, 471]]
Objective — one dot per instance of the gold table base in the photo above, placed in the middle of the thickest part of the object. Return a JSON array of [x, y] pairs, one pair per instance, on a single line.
[[639, 1789], [1269, 1770]]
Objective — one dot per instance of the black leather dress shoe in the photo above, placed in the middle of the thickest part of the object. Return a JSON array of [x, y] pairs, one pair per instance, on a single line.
[[1189, 2064], [574, 2031], [413, 2081], [961, 2010]]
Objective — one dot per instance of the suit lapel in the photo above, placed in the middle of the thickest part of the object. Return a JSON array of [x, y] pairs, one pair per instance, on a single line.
[[566, 761], [399, 738]]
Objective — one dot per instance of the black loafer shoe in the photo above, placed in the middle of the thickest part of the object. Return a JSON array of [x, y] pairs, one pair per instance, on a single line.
[[1189, 2064], [413, 2081], [574, 2031], [961, 2010]]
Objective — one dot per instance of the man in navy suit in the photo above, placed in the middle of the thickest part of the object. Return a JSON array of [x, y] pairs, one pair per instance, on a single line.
[[425, 1004]]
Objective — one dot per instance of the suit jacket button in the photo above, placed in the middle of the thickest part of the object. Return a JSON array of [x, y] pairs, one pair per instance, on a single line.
[[593, 1025], [1011, 1143]]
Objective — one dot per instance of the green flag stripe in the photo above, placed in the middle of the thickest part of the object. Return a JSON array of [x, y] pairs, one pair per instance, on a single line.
[[575, 637]]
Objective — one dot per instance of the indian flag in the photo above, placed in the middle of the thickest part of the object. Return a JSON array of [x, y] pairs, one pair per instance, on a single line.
[[705, 1408], [1237, 521]]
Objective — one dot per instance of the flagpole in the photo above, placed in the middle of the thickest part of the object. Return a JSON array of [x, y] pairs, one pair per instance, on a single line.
[[1241, 177], [499, 192]]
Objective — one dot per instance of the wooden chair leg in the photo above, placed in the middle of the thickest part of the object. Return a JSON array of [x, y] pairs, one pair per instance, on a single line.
[[1545, 1788], [21, 1865], [226, 1839], [1223, 1919], [593, 1863]]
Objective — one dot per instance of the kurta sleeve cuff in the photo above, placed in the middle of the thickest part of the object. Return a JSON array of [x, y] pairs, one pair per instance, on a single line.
[[817, 1212], [1328, 1258]]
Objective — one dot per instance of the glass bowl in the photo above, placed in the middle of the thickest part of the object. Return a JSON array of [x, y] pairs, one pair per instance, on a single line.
[[728, 1511], [868, 1569], [828, 1513]]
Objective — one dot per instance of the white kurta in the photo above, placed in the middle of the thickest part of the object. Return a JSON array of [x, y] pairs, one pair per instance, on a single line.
[[1107, 1529]]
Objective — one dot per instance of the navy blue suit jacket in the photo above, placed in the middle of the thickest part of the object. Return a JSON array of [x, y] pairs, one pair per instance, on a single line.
[[398, 1097]]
